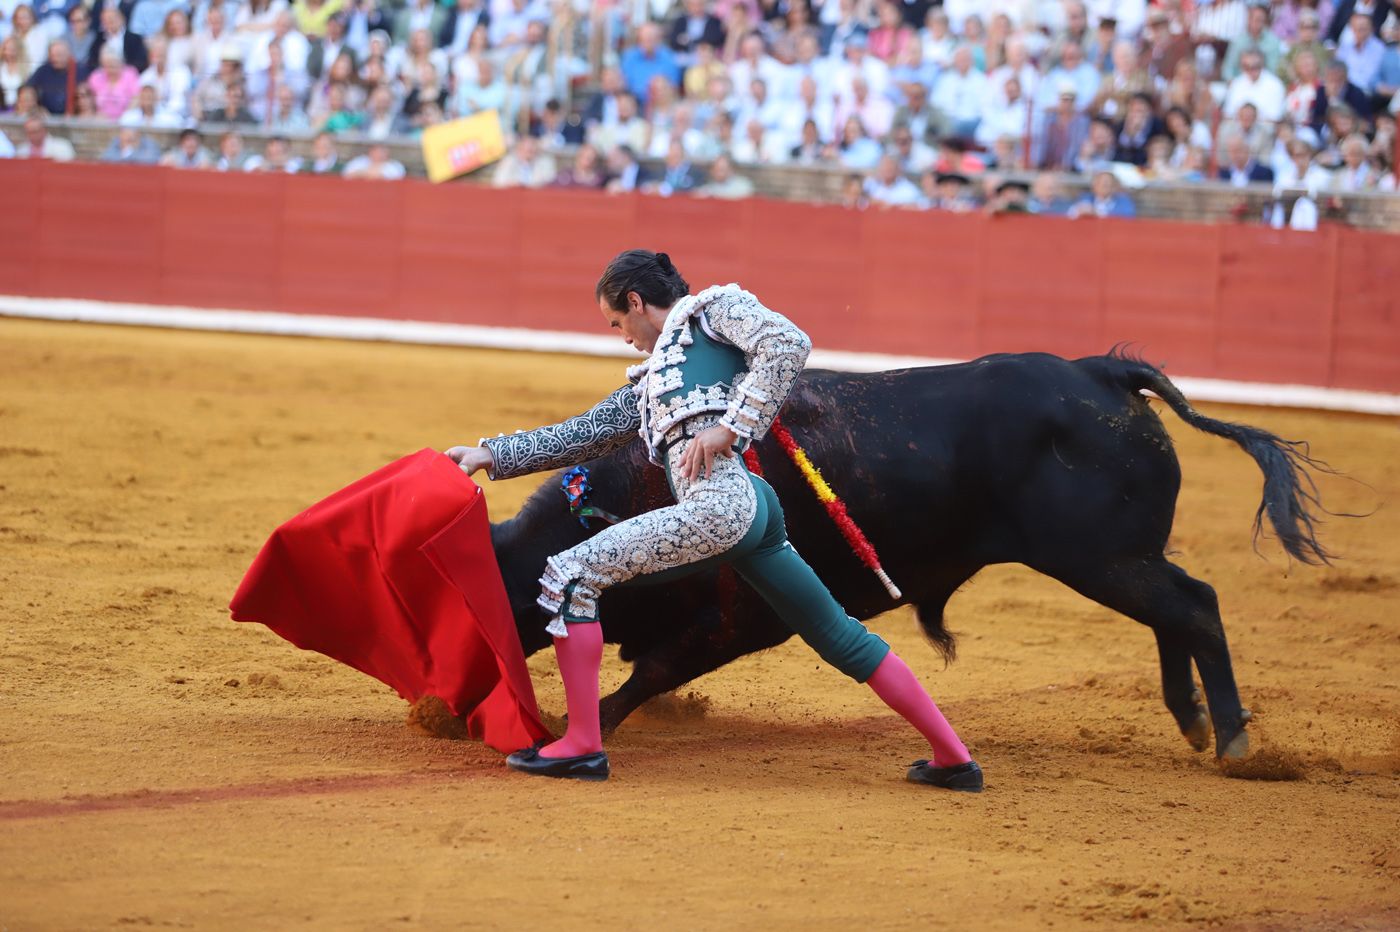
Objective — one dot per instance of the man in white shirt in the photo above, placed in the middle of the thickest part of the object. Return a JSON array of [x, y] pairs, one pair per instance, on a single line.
[[1018, 65], [1256, 86], [887, 187], [959, 94], [1074, 70], [38, 144], [375, 163], [1361, 52]]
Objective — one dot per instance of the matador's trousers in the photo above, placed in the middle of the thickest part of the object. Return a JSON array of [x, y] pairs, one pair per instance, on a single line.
[[730, 516]]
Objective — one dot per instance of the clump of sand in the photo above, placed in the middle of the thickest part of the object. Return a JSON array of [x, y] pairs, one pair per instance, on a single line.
[[1267, 763], [432, 716], [670, 707]]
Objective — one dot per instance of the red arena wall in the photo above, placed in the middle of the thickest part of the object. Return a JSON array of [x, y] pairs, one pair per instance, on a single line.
[[1233, 302]]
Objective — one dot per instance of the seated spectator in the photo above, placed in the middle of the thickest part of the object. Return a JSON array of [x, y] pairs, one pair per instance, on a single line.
[[328, 45], [808, 108], [853, 193], [603, 106], [556, 128], [1006, 114], [325, 158], [1246, 124], [947, 190], [625, 173], [796, 31], [1307, 43], [418, 16], [1300, 171], [212, 91], [114, 85], [1302, 94], [188, 152], [855, 150], [460, 28], [1256, 86], [892, 37], [1073, 72], [86, 108], [39, 144], [876, 113], [277, 158], [50, 80], [234, 110], [27, 103], [648, 58], [214, 42], [888, 187], [1009, 154], [691, 28], [1104, 199], [628, 129], [1140, 125], [339, 118], [1048, 196], [130, 146], [1159, 165], [171, 80], [178, 40], [487, 93], [231, 154], [145, 113], [130, 48], [1256, 37], [678, 176], [912, 73], [586, 171], [1127, 79], [810, 150], [80, 35], [724, 182], [1011, 197], [1184, 134], [1096, 154], [375, 164], [524, 166], [707, 67], [755, 62], [31, 39], [1355, 173], [1362, 53], [959, 93], [937, 39], [1240, 167], [1061, 134], [914, 156], [1337, 90], [1164, 47], [758, 146], [270, 75], [287, 116], [381, 115]]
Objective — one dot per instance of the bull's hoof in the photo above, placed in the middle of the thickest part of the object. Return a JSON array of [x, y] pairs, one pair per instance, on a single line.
[[1237, 748], [1198, 732]]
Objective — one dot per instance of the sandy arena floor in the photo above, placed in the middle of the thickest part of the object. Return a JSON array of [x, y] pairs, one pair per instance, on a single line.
[[161, 765]]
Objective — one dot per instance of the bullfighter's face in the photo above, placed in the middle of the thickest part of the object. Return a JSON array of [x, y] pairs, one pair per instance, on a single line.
[[640, 324]]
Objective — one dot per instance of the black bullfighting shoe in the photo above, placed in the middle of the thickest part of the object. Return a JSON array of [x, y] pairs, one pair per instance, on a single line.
[[582, 767], [965, 778]]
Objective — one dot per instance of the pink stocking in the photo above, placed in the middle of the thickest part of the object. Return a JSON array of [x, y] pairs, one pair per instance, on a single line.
[[895, 683], [579, 655]]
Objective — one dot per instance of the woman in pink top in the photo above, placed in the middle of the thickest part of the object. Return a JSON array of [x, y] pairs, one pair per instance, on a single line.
[[889, 40], [114, 84]]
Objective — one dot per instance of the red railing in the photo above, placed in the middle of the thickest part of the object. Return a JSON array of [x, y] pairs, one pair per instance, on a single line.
[[1235, 302]]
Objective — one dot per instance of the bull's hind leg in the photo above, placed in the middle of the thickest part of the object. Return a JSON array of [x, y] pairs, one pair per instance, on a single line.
[[1185, 616]]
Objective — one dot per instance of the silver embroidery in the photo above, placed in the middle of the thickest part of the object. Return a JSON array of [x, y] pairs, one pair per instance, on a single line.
[[609, 425], [711, 516]]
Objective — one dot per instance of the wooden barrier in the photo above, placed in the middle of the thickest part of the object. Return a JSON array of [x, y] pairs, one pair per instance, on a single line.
[[1232, 302]]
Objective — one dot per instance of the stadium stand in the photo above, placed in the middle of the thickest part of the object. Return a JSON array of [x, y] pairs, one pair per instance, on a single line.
[[1282, 113]]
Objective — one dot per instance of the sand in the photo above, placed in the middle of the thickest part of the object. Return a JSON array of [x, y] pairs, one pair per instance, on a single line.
[[161, 765]]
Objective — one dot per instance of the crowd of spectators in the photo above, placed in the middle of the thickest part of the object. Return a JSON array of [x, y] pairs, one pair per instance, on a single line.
[[948, 105]]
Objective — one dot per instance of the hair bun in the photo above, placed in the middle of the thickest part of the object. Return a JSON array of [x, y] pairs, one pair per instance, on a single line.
[[664, 261]]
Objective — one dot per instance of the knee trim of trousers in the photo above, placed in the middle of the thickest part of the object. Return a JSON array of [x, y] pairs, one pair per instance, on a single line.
[[861, 663], [566, 613]]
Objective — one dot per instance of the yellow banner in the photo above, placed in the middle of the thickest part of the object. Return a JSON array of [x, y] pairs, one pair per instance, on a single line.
[[455, 148]]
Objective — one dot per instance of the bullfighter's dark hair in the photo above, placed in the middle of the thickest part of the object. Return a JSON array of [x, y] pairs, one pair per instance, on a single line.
[[651, 275]]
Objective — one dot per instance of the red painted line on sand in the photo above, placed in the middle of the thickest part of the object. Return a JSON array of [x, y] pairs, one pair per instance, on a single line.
[[275, 789]]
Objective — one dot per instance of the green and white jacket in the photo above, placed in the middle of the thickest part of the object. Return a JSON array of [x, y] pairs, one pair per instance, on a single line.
[[720, 353]]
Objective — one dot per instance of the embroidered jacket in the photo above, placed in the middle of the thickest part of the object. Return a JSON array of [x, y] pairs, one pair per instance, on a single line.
[[662, 394]]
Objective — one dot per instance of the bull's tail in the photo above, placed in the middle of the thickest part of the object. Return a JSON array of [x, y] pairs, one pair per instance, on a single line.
[[1290, 495]]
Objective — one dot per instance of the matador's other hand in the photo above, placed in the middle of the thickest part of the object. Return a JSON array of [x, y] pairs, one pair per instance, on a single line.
[[699, 457], [470, 459]]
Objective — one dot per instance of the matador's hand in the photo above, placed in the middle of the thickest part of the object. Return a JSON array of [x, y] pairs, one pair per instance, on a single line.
[[470, 459], [699, 457]]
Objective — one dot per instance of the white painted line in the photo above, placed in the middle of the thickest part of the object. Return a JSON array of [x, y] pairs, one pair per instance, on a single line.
[[556, 341]]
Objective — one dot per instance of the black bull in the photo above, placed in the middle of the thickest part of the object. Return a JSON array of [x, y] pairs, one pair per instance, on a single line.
[[1059, 465]]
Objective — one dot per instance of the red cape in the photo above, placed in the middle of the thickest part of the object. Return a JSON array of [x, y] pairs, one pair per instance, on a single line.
[[395, 575]]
